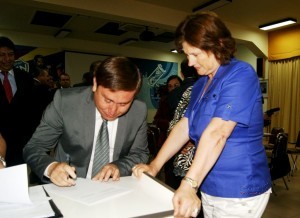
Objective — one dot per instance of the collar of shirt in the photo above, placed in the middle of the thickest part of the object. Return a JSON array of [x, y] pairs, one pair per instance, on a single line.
[[12, 81]]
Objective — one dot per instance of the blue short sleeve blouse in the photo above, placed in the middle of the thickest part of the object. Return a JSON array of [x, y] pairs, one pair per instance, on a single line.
[[234, 94]]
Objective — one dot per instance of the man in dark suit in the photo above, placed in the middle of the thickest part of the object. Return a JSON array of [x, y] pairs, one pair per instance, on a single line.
[[14, 107], [72, 122], [42, 95]]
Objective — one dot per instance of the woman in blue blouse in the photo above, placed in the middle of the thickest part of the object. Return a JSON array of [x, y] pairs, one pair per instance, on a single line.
[[225, 119]]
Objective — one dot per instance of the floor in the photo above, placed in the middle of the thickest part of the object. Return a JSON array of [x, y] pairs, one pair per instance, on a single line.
[[286, 203]]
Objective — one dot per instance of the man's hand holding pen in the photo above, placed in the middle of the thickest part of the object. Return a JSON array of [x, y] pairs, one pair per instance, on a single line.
[[62, 174]]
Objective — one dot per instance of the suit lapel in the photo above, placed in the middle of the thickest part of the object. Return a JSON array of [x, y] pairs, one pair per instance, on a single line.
[[120, 137], [88, 123], [3, 99], [19, 83], [2, 92]]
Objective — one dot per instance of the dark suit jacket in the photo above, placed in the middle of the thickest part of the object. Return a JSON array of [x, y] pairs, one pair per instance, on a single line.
[[41, 97], [69, 122], [15, 117]]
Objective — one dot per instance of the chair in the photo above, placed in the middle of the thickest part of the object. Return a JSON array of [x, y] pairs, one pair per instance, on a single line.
[[152, 135], [151, 142], [293, 152], [267, 117], [273, 137], [280, 164]]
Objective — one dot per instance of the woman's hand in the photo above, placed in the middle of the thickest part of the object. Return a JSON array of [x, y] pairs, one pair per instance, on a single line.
[[186, 202], [138, 170]]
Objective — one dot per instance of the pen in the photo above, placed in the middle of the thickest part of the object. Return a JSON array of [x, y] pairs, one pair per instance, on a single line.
[[68, 160]]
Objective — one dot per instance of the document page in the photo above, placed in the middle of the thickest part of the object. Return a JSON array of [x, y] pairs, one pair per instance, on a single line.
[[14, 185], [16, 200], [39, 208], [88, 192]]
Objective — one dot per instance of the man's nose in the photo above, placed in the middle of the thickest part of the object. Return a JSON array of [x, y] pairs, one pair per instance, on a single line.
[[113, 109]]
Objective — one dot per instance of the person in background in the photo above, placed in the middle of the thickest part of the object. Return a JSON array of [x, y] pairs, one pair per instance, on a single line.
[[87, 78], [225, 120], [74, 118], [163, 115], [65, 81], [189, 75], [178, 100], [51, 83], [2, 152], [42, 95], [41, 77], [37, 63], [15, 93]]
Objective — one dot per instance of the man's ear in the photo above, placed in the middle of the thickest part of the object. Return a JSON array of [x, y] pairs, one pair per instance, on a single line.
[[94, 84]]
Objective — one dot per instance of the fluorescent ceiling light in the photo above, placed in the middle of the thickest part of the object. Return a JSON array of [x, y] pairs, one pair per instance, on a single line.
[[277, 24], [174, 51], [62, 33], [212, 5]]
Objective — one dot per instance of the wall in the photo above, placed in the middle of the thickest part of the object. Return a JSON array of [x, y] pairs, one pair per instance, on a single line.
[[245, 54], [78, 63], [284, 43]]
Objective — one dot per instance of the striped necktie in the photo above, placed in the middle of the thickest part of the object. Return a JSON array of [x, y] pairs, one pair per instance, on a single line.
[[7, 86], [101, 156]]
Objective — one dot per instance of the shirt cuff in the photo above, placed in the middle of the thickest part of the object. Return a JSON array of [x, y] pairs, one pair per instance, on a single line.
[[46, 170]]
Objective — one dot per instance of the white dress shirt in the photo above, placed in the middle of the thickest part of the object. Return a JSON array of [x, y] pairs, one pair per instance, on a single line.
[[12, 81]]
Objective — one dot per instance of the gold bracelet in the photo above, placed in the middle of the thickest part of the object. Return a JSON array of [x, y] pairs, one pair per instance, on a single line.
[[3, 161], [193, 183]]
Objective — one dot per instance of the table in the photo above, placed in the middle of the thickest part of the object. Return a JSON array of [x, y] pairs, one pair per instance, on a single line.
[[148, 198]]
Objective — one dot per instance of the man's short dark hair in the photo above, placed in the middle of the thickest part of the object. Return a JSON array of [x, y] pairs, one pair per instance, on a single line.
[[118, 73], [36, 57], [37, 71], [174, 77], [6, 42]]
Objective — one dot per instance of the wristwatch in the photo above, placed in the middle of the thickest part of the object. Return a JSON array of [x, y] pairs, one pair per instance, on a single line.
[[193, 183], [3, 161]]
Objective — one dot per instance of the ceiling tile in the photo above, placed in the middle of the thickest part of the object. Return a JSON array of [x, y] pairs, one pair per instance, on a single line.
[[50, 19], [111, 28]]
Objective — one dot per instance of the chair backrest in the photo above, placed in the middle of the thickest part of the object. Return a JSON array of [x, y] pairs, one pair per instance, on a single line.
[[280, 146], [151, 142], [274, 133], [280, 164], [155, 130], [153, 135]]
